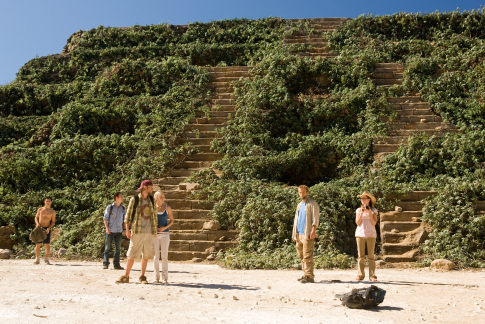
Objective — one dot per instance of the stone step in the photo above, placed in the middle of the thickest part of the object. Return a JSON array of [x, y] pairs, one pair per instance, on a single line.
[[223, 79], [200, 134], [218, 114], [410, 256], [228, 108], [400, 227], [223, 95], [165, 188], [404, 216], [386, 71], [480, 206], [429, 132], [389, 66], [414, 119], [305, 41], [204, 127], [230, 74], [396, 248], [183, 172], [191, 214], [209, 120], [412, 196], [422, 113], [186, 255], [411, 206], [194, 141], [385, 82], [302, 35], [391, 140], [307, 54], [408, 99], [225, 101], [317, 50], [394, 237], [385, 75], [203, 235], [193, 164], [188, 224], [168, 181], [411, 105], [221, 86], [199, 246], [205, 157], [230, 69], [417, 126], [188, 204], [385, 148], [176, 194]]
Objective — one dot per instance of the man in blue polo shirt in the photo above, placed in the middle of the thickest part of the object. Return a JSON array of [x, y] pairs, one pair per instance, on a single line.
[[307, 218], [114, 216]]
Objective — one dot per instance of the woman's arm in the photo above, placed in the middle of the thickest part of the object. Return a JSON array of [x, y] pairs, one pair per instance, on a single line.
[[373, 217], [358, 217], [170, 219]]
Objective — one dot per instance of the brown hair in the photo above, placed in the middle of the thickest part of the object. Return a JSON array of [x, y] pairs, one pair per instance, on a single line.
[[303, 187], [116, 195]]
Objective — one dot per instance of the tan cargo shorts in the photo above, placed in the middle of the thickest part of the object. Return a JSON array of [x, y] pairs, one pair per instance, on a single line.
[[141, 246]]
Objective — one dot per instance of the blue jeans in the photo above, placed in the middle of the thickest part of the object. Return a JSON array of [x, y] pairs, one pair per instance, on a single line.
[[117, 237]]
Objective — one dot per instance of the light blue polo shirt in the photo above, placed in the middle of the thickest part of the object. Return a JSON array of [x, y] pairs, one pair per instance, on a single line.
[[115, 221], [300, 225]]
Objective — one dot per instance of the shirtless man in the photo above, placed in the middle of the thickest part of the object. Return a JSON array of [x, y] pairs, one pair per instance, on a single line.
[[45, 217]]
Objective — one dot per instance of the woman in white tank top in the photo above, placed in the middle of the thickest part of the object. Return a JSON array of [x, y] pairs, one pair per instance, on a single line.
[[365, 234]]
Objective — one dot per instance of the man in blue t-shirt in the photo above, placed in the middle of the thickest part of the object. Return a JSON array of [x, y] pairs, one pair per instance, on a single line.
[[114, 216], [307, 217]]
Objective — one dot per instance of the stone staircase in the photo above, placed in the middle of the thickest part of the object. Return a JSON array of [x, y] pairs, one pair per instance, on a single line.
[[188, 239], [315, 45], [413, 115], [402, 231]]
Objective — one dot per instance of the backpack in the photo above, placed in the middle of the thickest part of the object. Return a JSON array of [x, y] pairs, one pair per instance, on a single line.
[[137, 199], [363, 298]]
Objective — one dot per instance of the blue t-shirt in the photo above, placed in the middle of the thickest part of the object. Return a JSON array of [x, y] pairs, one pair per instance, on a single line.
[[116, 218], [300, 225], [163, 219]]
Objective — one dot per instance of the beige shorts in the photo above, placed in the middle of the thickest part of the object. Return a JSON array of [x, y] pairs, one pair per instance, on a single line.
[[141, 246]]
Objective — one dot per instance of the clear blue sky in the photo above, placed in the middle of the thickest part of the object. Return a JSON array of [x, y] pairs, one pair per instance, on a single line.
[[29, 27]]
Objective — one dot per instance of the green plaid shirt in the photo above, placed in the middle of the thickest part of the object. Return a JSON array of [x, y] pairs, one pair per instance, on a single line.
[[136, 225]]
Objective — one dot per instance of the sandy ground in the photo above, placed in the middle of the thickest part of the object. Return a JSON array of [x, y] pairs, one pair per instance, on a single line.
[[82, 292]]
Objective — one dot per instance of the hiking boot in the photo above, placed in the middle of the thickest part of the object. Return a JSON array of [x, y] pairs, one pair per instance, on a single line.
[[300, 279], [123, 279], [37, 261], [105, 266], [46, 261], [118, 267], [307, 280], [143, 280]]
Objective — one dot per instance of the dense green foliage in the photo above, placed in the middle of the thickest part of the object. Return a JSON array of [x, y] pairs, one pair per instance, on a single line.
[[104, 114]]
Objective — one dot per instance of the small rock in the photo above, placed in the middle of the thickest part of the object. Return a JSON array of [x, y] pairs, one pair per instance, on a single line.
[[398, 209], [212, 249], [256, 303], [223, 297], [380, 263], [234, 297], [215, 296], [394, 231], [423, 120], [5, 253], [36, 307], [211, 257], [333, 298], [269, 287], [307, 300], [212, 225], [415, 219], [434, 317], [442, 264], [220, 289], [197, 260], [141, 298], [222, 238], [61, 252], [199, 292]]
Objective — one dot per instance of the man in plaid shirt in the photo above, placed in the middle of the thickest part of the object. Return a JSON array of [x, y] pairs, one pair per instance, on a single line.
[[143, 230]]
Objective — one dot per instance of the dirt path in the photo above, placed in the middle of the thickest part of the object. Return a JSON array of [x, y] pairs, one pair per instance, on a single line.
[[82, 292]]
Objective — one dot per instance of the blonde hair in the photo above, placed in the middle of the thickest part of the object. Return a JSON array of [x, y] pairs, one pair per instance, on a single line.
[[158, 194], [303, 187]]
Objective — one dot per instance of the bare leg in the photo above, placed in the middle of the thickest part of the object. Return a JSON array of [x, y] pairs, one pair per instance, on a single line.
[[47, 250], [144, 263], [129, 265], [37, 250]]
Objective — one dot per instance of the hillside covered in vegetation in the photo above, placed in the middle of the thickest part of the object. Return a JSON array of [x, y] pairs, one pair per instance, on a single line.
[[105, 114]]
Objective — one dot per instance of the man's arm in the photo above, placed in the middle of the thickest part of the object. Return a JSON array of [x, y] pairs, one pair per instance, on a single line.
[[37, 224], [53, 221], [106, 219]]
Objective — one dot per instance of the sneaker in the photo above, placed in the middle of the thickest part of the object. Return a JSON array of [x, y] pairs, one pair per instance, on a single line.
[[37, 261], [143, 280], [165, 281], [105, 266], [307, 280], [118, 267], [156, 281], [46, 261], [123, 279], [300, 279]]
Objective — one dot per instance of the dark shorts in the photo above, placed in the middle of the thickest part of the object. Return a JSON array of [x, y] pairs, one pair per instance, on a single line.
[[48, 238]]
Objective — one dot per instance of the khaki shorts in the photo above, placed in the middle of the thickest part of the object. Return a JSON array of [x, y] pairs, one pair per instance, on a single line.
[[141, 247]]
